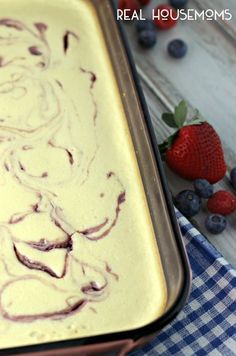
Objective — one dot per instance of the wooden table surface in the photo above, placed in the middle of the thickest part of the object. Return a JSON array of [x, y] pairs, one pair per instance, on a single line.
[[206, 78]]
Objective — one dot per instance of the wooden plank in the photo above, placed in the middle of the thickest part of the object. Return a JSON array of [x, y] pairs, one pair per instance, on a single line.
[[228, 27], [169, 97], [224, 242], [206, 79]]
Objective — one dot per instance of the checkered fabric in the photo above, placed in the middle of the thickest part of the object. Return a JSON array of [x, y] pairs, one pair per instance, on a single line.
[[207, 324]]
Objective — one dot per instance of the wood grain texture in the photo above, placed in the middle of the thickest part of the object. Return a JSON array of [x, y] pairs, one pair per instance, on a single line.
[[228, 27], [206, 78]]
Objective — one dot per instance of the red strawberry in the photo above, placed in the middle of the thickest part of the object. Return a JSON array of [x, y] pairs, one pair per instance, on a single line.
[[165, 17], [131, 5], [222, 202], [195, 150]]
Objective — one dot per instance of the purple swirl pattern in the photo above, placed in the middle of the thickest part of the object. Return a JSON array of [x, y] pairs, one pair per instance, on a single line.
[[27, 85]]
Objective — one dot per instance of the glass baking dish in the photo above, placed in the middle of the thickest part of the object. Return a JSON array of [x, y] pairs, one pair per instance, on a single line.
[[168, 238]]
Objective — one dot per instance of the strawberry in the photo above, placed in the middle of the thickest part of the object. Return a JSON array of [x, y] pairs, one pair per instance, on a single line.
[[131, 5], [194, 150], [222, 202], [165, 17]]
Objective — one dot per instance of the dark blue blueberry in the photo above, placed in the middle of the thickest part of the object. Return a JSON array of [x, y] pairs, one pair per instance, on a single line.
[[233, 176], [215, 223], [188, 203], [147, 38], [203, 188], [177, 48], [142, 25], [178, 4]]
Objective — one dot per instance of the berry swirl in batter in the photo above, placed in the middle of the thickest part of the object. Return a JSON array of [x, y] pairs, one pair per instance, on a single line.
[[74, 218]]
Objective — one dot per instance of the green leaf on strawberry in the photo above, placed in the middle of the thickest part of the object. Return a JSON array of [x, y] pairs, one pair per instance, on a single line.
[[169, 119], [178, 119], [180, 114]]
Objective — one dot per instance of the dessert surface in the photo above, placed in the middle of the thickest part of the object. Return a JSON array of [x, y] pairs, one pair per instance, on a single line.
[[78, 254]]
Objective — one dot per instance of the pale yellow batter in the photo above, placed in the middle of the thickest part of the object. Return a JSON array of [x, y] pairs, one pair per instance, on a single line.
[[78, 254]]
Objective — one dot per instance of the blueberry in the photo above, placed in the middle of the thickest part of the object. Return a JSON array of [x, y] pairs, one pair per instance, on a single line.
[[142, 25], [233, 176], [147, 38], [188, 203], [177, 48], [215, 223], [203, 188], [178, 4]]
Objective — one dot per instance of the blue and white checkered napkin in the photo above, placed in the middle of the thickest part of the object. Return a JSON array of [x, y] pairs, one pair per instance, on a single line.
[[207, 324]]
